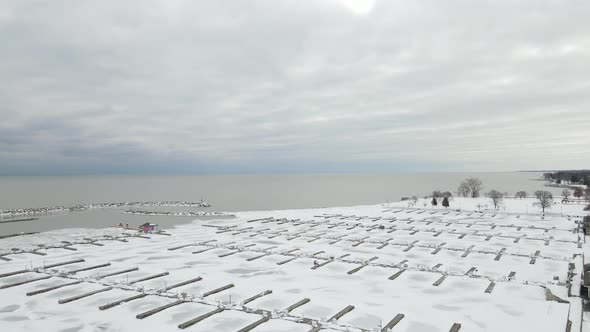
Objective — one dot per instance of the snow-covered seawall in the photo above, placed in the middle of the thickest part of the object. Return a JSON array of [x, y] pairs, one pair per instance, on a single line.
[[182, 214], [81, 207]]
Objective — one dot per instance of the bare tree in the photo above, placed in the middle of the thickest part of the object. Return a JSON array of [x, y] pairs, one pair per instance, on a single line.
[[545, 199], [473, 185], [566, 194], [496, 198], [447, 194], [521, 194], [578, 192], [463, 190], [437, 194]]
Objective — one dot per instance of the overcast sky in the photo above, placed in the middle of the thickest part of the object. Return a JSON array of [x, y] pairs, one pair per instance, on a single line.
[[177, 87]]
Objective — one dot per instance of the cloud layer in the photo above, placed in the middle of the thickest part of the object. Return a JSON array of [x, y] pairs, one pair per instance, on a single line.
[[157, 86]]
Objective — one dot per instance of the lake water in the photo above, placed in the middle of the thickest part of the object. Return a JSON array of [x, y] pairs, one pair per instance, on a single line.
[[229, 193]]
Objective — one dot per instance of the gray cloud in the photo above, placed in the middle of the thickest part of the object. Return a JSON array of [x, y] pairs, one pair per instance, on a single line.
[[272, 86]]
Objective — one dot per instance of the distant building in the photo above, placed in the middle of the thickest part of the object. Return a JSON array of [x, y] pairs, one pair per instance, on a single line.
[[148, 228]]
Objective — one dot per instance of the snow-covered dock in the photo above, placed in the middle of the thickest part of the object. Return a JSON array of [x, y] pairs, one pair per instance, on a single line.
[[367, 268]]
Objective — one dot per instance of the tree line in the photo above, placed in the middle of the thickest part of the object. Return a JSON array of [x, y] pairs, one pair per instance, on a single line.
[[578, 193], [473, 188], [580, 177]]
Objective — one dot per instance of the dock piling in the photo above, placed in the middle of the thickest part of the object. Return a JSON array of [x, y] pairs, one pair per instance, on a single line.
[[194, 321], [8, 274], [255, 324], [217, 290], [257, 296], [392, 322], [64, 263], [395, 275], [455, 327], [117, 272], [296, 305], [341, 313], [44, 290], [81, 296], [158, 309], [439, 281], [490, 287], [184, 283], [90, 268], [24, 282], [125, 300], [148, 278]]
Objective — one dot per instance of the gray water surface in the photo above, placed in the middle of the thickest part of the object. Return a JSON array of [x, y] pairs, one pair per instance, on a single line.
[[228, 193]]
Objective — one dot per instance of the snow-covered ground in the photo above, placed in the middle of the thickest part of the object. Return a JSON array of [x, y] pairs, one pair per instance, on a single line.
[[487, 271], [528, 205]]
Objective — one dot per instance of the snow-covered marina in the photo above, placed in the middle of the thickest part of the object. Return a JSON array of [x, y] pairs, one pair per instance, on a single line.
[[363, 268]]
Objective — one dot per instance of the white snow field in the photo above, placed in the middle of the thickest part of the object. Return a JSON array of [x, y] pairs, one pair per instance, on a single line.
[[364, 268]]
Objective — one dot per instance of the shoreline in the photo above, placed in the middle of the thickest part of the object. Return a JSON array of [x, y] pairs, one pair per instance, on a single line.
[[576, 212], [510, 206]]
